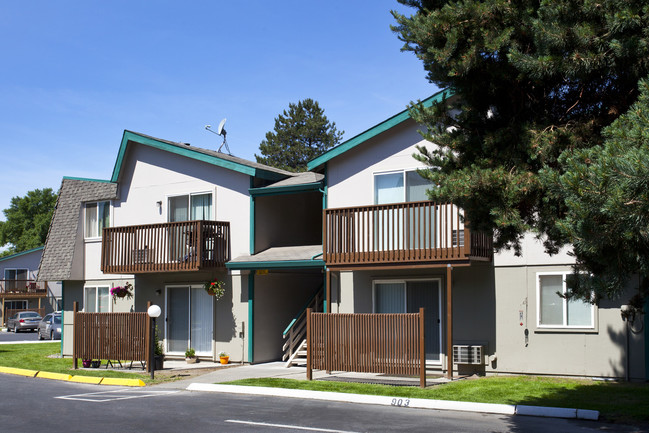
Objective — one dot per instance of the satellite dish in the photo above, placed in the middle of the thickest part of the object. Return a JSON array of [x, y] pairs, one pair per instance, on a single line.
[[222, 132], [220, 129]]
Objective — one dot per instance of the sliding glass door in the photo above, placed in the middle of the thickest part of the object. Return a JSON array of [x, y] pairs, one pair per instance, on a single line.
[[399, 296], [190, 320]]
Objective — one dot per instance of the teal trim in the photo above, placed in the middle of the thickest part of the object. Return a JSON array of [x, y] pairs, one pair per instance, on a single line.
[[22, 253], [284, 264], [87, 179], [289, 189], [188, 152], [252, 221], [373, 131], [297, 316], [251, 317], [62, 315]]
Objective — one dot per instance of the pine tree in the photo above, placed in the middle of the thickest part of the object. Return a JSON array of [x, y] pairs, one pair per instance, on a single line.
[[532, 82], [300, 134], [606, 190]]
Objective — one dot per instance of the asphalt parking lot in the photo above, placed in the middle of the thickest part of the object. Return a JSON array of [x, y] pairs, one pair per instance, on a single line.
[[18, 337]]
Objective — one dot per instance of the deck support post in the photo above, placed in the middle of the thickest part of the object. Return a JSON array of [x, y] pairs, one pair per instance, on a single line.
[[449, 323]]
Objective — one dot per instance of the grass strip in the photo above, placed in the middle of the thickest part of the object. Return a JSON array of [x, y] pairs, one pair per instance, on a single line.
[[616, 402], [35, 357]]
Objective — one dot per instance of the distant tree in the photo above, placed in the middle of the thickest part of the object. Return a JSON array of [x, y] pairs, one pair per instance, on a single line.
[[300, 134], [534, 82], [27, 221]]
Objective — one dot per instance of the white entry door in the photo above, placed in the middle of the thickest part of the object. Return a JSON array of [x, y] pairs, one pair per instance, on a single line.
[[190, 319]]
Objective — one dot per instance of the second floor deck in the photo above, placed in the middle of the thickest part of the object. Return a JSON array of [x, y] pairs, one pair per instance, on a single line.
[[165, 247], [22, 289], [401, 233]]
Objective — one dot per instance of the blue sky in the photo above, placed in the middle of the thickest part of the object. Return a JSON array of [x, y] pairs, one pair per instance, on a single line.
[[76, 74]]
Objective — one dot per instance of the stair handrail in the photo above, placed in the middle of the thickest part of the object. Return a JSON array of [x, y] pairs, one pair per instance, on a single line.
[[302, 311]]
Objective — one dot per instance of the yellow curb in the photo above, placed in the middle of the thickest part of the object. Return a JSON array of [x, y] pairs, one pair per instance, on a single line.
[[86, 379], [54, 376], [122, 382], [20, 371]]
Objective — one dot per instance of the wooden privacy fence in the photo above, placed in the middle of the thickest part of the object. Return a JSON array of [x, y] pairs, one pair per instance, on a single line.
[[367, 343], [112, 336]]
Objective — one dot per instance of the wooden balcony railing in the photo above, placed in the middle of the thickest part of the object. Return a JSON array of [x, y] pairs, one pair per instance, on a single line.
[[412, 232], [23, 287], [167, 247]]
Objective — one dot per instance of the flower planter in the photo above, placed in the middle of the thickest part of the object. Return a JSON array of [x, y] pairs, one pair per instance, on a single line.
[[224, 359], [191, 360], [158, 362]]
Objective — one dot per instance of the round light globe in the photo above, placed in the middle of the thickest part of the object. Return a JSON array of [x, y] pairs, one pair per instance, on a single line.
[[154, 311]]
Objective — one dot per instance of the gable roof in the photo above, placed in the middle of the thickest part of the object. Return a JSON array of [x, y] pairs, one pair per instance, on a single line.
[[22, 253], [58, 254], [374, 131], [209, 156]]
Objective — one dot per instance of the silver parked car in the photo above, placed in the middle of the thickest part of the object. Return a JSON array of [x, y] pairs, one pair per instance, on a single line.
[[50, 327], [23, 320]]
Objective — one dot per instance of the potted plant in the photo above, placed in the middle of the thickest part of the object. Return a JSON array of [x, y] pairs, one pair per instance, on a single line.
[[125, 291], [224, 357], [215, 288], [190, 356]]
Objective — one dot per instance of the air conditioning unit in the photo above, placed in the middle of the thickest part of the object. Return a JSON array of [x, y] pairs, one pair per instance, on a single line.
[[468, 354]]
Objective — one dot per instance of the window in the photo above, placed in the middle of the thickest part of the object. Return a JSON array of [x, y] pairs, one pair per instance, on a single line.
[[96, 299], [16, 279], [557, 312], [410, 225], [190, 207], [97, 218], [403, 186]]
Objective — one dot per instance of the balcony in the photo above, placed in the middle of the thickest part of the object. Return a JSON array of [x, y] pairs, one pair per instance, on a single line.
[[168, 247], [22, 289], [401, 233]]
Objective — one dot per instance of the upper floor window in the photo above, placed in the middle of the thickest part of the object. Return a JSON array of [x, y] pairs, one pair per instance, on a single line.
[[398, 187], [555, 311], [15, 279], [190, 207], [97, 217]]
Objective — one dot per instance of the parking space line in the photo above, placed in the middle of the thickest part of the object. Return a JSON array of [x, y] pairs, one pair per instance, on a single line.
[[286, 426], [114, 395]]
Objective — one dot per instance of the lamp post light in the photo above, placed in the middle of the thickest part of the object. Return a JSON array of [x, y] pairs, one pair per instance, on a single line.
[[153, 312]]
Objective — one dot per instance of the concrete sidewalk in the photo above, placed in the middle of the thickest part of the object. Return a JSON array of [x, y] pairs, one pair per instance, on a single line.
[[212, 382], [232, 372]]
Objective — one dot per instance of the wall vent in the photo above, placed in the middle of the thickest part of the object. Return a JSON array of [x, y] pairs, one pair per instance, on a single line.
[[468, 354]]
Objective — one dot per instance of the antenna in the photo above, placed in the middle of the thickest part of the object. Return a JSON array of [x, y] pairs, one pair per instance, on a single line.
[[222, 132]]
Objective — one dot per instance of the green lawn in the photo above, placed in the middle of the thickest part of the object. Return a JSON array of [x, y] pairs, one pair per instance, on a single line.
[[616, 402], [35, 357]]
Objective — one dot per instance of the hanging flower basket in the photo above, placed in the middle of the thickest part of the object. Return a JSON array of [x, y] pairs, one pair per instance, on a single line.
[[122, 292], [215, 288]]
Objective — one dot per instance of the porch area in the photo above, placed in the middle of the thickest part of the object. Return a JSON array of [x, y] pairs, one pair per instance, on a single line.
[[165, 247], [401, 233], [17, 295]]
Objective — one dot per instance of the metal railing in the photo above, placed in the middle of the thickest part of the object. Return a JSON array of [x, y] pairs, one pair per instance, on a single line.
[[295, 333]]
